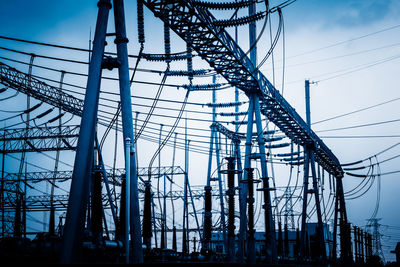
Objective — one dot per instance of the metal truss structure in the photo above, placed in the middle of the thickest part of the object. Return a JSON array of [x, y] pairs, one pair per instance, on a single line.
[[198, 27], [192, 21], [39, 139], [35, 88]]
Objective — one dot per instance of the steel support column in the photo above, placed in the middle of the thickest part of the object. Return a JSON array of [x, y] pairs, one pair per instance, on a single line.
[[127, 127], [77, 203]]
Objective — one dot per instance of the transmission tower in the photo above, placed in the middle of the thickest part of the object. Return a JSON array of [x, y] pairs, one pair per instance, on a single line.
[[374, 224]]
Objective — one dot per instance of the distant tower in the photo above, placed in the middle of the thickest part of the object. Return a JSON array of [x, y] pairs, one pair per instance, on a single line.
[[376, 235], [288, 212]]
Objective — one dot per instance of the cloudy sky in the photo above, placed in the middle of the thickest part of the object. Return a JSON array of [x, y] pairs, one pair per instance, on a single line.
[[349, 49]]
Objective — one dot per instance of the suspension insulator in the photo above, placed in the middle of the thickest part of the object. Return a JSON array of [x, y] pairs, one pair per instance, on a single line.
[[231, 114], [140, 18], [167, 42], [44, 113], [294, 159], [186, 73], [189, 61], [239, 21], [288, 154], [277, 145], [224, 6], [33, 108], [201, 87], [224, 105], [297, 163], [120, 231], [56, 118], [274, 139], [163, 57]]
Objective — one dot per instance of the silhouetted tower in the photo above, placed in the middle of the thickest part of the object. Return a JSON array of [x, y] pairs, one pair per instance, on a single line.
[[376, 237]]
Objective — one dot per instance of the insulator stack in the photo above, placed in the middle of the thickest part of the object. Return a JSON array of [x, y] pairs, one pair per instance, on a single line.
[[44, 113], [174, 244], [189, 58], [207, 217], [239, 21], [56, 118], [167, 43], [224, 6], [163, 235], [294, 159], [17, 217], [186, 73], [140, 18], [184, 241], [231, 207], [224, 105], [52, 221], [120, 231], [280, 240], [274, 139], [286, 241], [147, 234], [33, 108], [97, 207], [277, 145], [231, 114], [297, 247], [201, 87], [162, 57], [288, 154], [250, 211]]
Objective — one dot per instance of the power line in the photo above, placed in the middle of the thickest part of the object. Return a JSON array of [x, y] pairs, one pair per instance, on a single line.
[[346, 41], [359, 126], [359, 110]]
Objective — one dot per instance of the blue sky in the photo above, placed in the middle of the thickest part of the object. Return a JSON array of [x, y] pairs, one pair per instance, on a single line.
[[322, 43]]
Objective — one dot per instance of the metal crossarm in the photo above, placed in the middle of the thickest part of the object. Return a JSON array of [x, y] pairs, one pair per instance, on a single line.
[[39, 139], [30, 86], [197, 25], [235, 137]]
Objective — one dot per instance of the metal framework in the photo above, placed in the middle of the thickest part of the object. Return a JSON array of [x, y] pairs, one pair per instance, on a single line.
[[192, 21], [37, 89], [39, 139], [218, 48]]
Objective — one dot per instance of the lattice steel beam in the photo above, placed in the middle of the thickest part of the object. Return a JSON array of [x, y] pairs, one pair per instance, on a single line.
[[38, 139], [198, 27], [31, 86], [235, 137], [62, 176]]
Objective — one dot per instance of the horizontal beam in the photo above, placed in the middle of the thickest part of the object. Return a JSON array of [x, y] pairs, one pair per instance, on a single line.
[[38, 139], [37, 89]]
